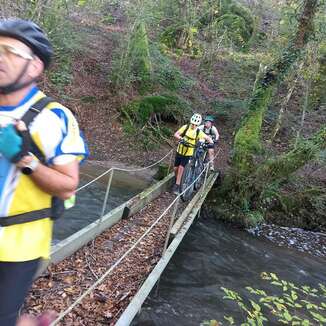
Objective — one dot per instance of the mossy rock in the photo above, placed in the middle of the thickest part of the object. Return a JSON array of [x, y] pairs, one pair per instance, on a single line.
[[163, 171], [140, 111]]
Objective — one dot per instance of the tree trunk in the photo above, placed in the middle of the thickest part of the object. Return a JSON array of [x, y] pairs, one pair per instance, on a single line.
[[247, 140], [283, 166], [304, 111], [245, 195], [285, 103]]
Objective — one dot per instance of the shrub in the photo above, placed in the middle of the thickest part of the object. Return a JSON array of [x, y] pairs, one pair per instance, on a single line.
[[290, 304], [140, 111]]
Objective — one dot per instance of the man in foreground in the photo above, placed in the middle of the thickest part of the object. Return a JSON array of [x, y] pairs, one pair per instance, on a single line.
[[40, 151]]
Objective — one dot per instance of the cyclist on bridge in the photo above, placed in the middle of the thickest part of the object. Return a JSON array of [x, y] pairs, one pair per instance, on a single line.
[[209, 129], [40, 151], [187, 135]]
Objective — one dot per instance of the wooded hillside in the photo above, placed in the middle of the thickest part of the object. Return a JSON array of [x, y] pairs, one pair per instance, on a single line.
[[135, 71]]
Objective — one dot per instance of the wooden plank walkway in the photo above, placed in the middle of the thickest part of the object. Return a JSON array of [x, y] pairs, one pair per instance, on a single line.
[[180, 229]]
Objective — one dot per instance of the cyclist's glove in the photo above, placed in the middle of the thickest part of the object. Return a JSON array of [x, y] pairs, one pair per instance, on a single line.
[[14, 144], [182, 142]]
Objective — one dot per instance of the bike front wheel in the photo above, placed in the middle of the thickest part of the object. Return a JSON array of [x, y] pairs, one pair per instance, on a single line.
[[186, 187]]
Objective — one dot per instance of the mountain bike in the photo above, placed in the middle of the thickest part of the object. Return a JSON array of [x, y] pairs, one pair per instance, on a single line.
[[193, 170]]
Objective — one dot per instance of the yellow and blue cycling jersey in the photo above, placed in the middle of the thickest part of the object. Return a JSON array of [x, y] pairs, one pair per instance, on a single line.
[[191, 136], [56, 133]]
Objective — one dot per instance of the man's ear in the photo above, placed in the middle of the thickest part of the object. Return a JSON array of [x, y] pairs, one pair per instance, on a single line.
[[36, 67]]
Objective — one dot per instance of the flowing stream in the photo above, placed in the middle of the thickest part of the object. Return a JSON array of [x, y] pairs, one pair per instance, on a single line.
[[89, 201], [213, 255]]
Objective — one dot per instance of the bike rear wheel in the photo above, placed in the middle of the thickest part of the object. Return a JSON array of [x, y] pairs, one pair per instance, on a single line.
[[186, 181]]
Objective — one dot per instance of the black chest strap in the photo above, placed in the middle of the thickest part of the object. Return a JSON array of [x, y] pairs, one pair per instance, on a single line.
[[57, 207], [29, 117], [25, 217], [185, 133]]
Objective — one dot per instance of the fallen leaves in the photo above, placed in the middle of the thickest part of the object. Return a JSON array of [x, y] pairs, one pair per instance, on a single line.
[[64, 282]]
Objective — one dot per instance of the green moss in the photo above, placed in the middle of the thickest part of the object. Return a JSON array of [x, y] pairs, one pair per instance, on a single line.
[[163, 171], [140, 111], [247, 139], [139, 57], [234, 28], [253, 218], [182, 39], [317, 96], [288, 163], [232, 20]]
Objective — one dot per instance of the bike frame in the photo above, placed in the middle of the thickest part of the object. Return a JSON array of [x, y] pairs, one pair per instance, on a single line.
[[193, 169]]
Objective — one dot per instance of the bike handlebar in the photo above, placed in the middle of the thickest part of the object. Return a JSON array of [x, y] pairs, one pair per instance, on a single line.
[[198, 144]]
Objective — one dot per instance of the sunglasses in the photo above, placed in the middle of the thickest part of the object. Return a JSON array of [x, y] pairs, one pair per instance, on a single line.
[[5, 50]]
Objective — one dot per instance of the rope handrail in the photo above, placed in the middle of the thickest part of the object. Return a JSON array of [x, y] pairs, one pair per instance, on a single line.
[[8, 116], [101, 279], [124, 170]]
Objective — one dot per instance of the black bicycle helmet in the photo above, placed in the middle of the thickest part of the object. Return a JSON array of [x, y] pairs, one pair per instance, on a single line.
[[30, 34]]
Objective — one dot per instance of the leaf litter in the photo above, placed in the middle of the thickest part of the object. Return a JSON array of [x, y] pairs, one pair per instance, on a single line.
[[62, 283]]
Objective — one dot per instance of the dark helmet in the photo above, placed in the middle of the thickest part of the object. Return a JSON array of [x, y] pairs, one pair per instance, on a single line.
[[209, 118], [29, 33]]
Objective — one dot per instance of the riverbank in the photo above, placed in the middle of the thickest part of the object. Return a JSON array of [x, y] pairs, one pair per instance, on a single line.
[[310, 242]]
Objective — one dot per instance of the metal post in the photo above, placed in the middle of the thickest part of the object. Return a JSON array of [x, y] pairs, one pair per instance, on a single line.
[[106, 196]]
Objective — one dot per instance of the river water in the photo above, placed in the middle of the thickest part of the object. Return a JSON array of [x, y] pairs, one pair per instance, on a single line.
[[214, 255], [89, 201]]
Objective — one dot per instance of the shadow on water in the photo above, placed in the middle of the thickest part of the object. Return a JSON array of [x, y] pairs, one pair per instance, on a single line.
[[213, 255], [89, 200]]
